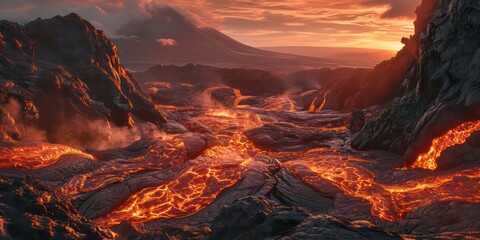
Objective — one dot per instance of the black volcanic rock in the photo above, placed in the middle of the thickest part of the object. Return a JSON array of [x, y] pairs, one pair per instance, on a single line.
[[328, 227], [350, 88], [256, 218], [287, 137], [441, 90], [66, 68], [357, 121], [31, 212], [259, 218]]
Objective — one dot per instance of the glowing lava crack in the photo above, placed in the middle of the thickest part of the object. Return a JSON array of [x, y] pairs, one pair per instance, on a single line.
[[456, 136], [191, 192]]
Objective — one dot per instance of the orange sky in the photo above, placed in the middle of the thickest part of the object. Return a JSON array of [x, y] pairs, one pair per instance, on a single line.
[[340, 23]]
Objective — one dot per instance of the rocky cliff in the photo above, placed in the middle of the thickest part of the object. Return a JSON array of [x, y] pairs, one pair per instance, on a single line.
[[60, 69], [361, 88], [441, 88]]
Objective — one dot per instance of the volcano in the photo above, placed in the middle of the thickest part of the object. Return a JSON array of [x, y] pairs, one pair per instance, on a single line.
[[89, 150], [167, 37]]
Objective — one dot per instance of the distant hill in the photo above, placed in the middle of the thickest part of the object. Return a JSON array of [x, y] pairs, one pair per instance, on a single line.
[[167, 37], [360, 56]]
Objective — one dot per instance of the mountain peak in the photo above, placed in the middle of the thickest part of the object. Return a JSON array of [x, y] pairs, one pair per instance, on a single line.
[[163, 22]]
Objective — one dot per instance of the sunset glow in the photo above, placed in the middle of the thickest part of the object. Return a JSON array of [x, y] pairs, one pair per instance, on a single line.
[[378, 24]]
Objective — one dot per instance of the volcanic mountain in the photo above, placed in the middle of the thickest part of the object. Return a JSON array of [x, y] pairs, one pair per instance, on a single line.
[[167, 37]]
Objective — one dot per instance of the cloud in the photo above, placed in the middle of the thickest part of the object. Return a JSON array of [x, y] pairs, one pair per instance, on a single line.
[[363, 23], [396, 8], [167, 41]]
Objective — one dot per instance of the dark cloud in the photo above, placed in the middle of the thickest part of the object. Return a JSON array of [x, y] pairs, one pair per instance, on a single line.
[[397, 8]]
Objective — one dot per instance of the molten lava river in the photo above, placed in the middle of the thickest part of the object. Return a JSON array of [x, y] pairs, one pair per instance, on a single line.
[[187, 179]]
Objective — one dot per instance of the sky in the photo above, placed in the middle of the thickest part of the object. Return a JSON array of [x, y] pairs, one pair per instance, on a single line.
[[376, 24]]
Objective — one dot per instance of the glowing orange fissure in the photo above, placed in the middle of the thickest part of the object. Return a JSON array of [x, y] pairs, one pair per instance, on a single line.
[[455, 136]]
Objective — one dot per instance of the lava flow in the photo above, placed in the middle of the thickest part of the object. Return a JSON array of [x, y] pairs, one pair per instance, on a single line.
[[192, 191], [455, 136], [388, 201], [191, 185], [196, 187], [166, 153], [35, 156], [313, 108]]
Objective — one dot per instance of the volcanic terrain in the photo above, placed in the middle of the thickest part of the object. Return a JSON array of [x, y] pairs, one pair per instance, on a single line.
[[91, 151]]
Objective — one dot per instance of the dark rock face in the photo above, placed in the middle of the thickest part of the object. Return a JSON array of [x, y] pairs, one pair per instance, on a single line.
[[441, 88], [327, 227], [286, 137], [31, 212], [255, 218], [259, 218], [357, 121], [64, 67], [348, 89]]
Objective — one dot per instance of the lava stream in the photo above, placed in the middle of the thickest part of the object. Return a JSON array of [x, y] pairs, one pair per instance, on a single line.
[[313, 108], [388, 201], [455, 136], [164, 154], [217, 169], [189, 193], [36, 156]]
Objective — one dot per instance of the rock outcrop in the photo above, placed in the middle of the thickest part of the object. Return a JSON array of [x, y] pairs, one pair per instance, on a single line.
[[259, 218], [348, 89], [29, 211], [441, 88], [61, 68]]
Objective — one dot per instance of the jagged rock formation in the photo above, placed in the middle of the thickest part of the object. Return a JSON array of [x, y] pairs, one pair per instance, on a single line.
[[29, 211], [259, 218], [441, 88], [62, 68], [349, 88]]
